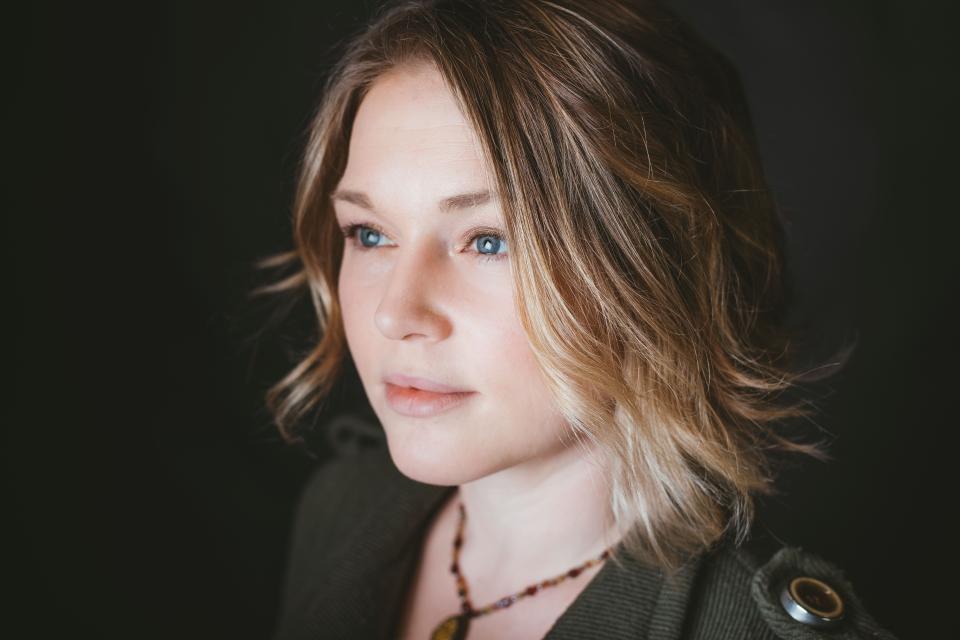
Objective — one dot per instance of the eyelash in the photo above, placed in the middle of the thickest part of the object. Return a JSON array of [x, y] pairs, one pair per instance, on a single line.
[[350, 231]]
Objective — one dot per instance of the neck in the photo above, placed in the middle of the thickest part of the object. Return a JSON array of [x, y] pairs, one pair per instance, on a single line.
[[538, 519]]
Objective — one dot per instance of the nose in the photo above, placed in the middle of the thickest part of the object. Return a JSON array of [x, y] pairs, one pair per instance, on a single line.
[[412, 306]]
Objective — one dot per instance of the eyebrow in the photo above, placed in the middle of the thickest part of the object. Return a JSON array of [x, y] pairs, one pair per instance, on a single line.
[[450, 203]]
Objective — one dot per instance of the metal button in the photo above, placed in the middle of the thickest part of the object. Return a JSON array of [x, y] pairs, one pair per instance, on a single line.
[[812, 602]]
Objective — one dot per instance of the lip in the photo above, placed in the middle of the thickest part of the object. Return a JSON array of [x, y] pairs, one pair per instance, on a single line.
[[421, 383], [412, 396], [418, 403]]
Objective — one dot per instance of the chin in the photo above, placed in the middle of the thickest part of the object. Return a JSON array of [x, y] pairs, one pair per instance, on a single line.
[[432, 460]]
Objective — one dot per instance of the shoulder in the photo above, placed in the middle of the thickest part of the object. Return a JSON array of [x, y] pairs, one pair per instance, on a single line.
[[338, 492], [335, 497], [766, 590]]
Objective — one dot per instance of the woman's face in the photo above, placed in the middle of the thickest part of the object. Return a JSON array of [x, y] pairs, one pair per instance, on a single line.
[[426, 290]]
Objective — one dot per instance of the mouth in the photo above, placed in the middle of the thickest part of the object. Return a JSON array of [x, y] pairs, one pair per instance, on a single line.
[[422, 384], [415, 401]]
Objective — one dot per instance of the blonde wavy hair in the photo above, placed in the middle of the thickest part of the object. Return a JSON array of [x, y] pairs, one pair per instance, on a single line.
[[646, 249]]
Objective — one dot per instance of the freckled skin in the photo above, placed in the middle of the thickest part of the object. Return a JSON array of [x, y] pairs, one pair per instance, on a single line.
[[422, 302]]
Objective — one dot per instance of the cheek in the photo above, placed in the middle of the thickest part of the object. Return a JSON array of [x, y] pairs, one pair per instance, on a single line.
[[487, 345], [357, 317], [525, 409]]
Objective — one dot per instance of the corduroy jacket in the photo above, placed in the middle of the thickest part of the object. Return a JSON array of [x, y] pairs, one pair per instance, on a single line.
[[355, 546]]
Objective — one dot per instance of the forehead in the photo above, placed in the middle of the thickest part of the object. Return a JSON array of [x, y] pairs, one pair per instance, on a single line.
[[409, 130]]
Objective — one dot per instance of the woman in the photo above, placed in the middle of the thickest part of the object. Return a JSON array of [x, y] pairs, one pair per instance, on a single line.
[[542, 232]]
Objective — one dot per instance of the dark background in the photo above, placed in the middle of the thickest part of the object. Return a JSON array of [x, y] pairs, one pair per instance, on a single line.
[[151, 158]]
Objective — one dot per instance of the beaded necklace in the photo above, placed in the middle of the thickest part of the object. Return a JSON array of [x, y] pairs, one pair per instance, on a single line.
[[455, 626]]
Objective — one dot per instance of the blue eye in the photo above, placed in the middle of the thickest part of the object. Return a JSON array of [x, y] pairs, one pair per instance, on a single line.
[[488, 242], [369, 235]]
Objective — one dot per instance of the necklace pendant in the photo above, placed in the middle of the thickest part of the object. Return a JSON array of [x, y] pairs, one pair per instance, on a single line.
[[453, 628]]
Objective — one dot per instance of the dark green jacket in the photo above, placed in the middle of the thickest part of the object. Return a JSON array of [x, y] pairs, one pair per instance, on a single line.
[[358, 531]]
